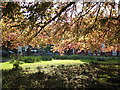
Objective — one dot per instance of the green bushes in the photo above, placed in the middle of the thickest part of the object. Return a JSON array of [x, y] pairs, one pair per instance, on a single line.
[[74, 57], [28, 59], [67, 57], [113, 58], [32, 59], [46, 58], [16, 65]]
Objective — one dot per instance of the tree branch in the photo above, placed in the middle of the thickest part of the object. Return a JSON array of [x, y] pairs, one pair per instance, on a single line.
[[62, 10], [85, 13]]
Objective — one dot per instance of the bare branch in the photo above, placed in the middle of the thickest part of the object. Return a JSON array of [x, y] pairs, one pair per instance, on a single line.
[[62, 10], [85, 13]]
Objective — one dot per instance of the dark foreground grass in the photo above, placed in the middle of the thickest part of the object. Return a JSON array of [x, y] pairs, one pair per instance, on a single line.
[[91, 75]]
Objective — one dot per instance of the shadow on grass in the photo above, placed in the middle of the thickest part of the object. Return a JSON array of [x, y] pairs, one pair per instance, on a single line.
[[18, 79], [92, 75]]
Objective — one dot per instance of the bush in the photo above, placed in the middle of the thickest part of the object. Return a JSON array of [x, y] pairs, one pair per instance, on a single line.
[[11, 61], [56, 56], [16, 65], [101, 59], [46, 58], [32, 59], [74, 57], [27, 59]]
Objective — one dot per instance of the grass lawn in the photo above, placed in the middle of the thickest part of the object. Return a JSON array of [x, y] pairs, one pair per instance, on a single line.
[[8, 65], [61, 73], [93, 75]]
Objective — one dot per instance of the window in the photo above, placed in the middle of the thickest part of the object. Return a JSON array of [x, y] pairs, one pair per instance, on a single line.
[[23, 49]]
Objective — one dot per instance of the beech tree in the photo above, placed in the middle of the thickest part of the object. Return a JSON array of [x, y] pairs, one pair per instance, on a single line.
[[64, 24]]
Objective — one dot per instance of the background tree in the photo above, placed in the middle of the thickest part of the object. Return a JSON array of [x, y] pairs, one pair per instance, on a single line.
[[77, 24]]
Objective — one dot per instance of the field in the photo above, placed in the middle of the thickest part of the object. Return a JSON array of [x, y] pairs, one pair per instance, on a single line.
[[66, 73]]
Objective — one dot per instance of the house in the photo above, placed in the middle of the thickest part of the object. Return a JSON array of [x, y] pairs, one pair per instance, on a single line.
[[104, 50], [111, 50], [22, 49]]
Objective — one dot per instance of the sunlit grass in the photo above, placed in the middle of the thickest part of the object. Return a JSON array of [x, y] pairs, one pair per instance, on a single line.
[[7, 65], [52, 62]]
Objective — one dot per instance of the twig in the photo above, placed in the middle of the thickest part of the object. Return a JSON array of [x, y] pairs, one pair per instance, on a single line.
[[62, 10]]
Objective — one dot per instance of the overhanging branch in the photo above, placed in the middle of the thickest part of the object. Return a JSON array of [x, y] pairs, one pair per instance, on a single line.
[[62, 10]]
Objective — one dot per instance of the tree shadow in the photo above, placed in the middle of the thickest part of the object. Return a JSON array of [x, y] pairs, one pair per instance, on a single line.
[[18, 79], [91, 75]]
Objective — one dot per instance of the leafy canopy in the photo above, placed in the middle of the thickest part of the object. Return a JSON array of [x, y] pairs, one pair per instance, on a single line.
[[65, 24]]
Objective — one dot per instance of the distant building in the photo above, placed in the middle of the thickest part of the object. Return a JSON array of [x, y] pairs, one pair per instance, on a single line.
[[22, 49], [111, 50], [104, 50]]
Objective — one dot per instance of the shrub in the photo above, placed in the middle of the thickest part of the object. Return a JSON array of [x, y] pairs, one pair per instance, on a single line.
[[16, 65], [74, 57], [11, 61], [46, 58], [32, 59], [101, 59], [27, 59], [56, 56]]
